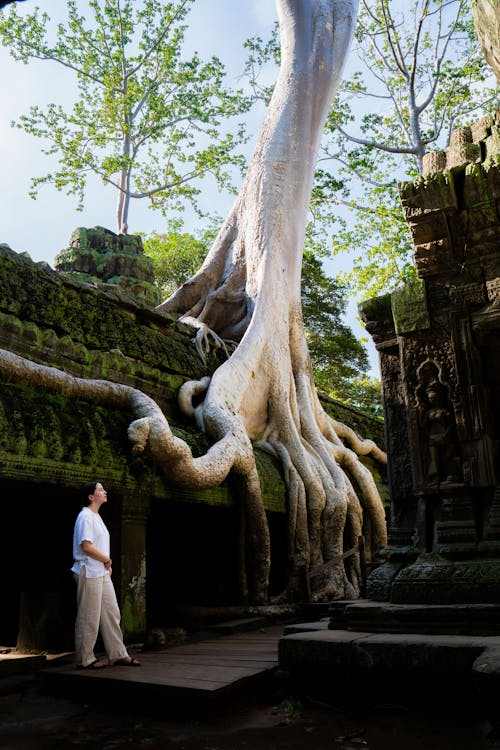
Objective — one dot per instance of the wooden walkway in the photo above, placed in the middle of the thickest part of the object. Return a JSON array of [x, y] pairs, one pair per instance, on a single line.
[[197, 669]]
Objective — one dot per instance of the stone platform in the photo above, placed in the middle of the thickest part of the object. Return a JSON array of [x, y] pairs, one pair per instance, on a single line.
[[386, 617], [379, 645]]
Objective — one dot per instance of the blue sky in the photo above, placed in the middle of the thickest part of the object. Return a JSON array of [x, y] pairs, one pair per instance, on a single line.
[[43, 227]]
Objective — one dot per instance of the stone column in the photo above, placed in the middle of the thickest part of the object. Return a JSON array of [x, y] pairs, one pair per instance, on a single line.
[[133, 567]]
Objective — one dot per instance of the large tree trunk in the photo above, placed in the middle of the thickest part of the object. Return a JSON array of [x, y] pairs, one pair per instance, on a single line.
[[248, 292], [486, 15]]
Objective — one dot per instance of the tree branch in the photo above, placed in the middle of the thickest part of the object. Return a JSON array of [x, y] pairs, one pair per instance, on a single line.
[[159, 39], [374, 144], [350, 168], [439, 58], [359, 207], [394, 43]]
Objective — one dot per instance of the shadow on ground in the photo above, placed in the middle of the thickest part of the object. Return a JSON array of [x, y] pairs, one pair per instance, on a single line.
[[275, 716]]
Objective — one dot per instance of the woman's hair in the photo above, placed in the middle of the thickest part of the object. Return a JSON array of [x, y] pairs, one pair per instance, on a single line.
[[89, 489]]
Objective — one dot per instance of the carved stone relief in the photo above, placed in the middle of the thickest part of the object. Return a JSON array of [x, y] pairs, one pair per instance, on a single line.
[[442, 460]]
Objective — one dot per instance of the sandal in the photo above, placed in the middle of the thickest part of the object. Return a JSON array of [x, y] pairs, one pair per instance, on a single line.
[[94, 665], [128, 661]]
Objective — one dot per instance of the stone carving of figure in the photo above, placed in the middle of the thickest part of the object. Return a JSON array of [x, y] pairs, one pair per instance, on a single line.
[[437, 422]]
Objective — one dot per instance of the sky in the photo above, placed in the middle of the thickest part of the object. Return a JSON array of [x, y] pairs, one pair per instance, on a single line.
[[43, 227]]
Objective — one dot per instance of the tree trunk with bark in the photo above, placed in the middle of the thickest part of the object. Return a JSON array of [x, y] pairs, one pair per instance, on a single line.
[[486, 14], [248, 292]]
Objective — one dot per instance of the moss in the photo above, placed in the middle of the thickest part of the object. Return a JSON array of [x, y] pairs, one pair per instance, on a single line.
[[52, 427], [92, 333], [100, 257], [36, 305], [377, 309], [409, 307], [271, 481]]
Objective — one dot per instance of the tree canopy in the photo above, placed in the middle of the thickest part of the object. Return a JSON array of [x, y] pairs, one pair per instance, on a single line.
[[150, 122]]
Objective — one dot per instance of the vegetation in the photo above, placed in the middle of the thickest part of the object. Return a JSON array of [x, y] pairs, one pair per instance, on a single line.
[[421, 74], [147, 121]]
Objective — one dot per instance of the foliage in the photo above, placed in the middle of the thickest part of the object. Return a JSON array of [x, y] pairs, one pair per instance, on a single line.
[[339, 360], [364, 393], [147, 121], [336, 355], [176, 254], [421, 74]]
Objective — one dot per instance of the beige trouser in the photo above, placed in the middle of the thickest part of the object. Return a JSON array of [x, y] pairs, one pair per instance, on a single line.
[[97, 609]]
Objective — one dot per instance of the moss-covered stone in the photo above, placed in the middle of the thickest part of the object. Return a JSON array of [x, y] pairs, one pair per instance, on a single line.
[[37, 304], [53, 444], [409, 307], [101, 257]]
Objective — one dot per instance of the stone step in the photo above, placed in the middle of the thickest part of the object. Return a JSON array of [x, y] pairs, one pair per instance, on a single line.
[[334, 654], [237, 626], [305, 627], [447, 619]]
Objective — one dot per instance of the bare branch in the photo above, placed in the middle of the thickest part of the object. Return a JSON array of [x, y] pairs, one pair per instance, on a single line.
[[359, 207], [363, 177], [372, 37], [393, 39], [416, 45], [380, 146], [439, 58]]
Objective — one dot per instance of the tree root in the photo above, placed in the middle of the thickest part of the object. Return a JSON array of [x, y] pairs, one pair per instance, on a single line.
[[206, 338]]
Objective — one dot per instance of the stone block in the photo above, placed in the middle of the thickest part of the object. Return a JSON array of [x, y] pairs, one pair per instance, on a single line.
[[427, 580], [428, 195], [476, 581], [492, 144], [379, 582], [409, 307], [460, 155], [433, 258], [433, 161], [318, 652], [481, 129], [432, 655]]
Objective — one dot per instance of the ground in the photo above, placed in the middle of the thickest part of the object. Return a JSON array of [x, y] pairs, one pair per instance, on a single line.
[[273, 716]]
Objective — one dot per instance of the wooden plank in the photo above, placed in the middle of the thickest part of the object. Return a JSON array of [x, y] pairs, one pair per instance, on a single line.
[[211, 661], [202, 667]]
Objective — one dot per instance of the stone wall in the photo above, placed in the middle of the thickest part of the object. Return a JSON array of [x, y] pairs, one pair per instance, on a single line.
[[438, 339]]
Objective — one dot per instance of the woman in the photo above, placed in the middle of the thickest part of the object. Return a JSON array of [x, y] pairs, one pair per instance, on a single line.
[[97, 607]]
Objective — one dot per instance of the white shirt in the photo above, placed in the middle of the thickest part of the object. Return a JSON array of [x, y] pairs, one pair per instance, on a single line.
[[90, 527]]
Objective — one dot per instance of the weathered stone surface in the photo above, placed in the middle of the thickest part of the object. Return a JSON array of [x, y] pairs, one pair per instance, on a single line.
[[379, 584], [335, 653], [409, 307], [458, 619], [440, 375], [101, 257]]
